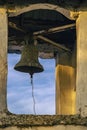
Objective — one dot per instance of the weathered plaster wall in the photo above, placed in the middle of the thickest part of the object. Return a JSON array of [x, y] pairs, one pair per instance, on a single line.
[[24, 122], [81, 90], [3, 58], [66, 94], [66, 83], [60, 127]]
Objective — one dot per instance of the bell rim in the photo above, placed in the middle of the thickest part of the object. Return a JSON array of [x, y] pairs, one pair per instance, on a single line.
[[31, 69]]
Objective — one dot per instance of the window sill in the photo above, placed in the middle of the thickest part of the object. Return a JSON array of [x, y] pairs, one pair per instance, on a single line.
[[41, 120]]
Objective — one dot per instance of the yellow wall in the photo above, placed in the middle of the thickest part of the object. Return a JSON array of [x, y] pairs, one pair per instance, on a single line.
[[65, 90]]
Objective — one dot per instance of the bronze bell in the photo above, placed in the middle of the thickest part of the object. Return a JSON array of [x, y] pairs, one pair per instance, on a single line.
[[29, 60]]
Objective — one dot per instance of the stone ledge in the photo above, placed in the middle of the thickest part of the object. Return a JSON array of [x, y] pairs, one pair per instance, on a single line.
[[41, 120]]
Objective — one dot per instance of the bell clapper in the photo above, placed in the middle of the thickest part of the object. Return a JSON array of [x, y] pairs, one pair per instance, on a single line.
[[34, 103]]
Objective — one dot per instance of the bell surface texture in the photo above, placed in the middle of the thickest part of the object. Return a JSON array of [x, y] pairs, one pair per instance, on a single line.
[[29, 62]]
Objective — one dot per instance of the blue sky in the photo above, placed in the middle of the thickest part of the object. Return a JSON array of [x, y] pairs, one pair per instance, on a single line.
[[19, 89]]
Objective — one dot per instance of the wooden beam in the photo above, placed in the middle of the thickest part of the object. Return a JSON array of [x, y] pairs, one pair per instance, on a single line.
[[51, 30], [56, 29], [14, 26], [53, 43]]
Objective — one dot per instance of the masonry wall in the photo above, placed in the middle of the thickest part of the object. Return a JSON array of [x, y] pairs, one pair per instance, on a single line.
[[10, 121], [60, 127], [42, 122]]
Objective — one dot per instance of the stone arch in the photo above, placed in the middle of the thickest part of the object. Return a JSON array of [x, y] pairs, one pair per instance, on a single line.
[[20, 10]]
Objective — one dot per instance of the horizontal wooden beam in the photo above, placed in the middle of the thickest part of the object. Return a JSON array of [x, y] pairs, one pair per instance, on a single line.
[[56, 29], [51, 30]]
